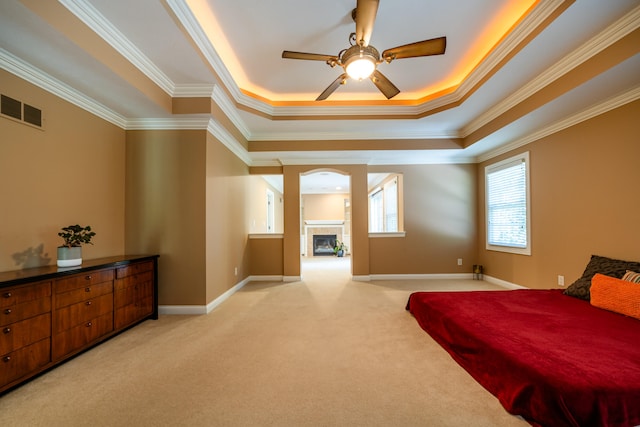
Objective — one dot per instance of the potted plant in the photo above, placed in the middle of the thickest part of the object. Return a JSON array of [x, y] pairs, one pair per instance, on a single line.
[[74, 236], [339, 248]]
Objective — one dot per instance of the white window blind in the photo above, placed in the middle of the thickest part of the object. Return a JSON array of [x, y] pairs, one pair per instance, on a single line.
[[508, 205], [376, 223], [391, 206]]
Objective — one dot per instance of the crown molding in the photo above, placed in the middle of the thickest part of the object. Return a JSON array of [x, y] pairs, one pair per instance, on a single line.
[[323, 161], [229, 109], [606, 38], [37, 77], [193, 90], [513, 39], [511, 42], [91, 17], [584, 115], [184, 15], [221, 134], [186, 123], [351, 136]]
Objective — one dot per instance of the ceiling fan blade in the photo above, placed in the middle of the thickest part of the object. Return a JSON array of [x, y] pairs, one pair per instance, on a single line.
[[424, 48], [332, 87], [384, 84], [366, 11], [310, 56]]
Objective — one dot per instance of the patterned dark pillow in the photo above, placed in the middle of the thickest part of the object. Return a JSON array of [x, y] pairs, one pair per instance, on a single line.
[[603, 265]]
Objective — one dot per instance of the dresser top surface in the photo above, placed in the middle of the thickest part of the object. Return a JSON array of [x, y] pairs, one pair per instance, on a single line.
[[48, 272]]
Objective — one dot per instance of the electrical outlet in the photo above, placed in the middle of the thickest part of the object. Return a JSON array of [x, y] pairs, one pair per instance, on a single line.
[[235, 271], [459, 261], [560, 280]]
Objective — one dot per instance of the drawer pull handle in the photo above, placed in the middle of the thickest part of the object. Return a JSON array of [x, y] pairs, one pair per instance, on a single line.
[[6, 330], [88, 277], [88, 303], [87, 289], [6, 359], [89, 324], [7, 295], [7, 311]]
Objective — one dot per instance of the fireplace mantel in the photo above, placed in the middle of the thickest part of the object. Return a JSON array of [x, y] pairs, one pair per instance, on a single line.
[[324, 222]]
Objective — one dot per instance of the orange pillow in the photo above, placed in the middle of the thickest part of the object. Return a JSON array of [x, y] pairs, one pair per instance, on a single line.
[[615, 295]]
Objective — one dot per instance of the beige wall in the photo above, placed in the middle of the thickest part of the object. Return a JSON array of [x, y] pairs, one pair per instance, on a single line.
[[584, 186], [166, 209], [185, 196], [266, 257], [187, 201], [324, 206], [70, 172], [439, 221], [227, 210]]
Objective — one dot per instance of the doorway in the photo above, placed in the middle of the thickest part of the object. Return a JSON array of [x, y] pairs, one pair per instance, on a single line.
[[325, 220]]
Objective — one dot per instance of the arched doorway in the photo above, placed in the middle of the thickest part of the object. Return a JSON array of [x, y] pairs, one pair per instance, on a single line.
[[325, 221]]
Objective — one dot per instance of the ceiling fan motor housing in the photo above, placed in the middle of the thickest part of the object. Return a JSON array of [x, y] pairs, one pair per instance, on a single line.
[[357, 56]]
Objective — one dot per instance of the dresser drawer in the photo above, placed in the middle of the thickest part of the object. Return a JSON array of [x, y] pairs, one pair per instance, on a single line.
[[83, 280], [25, 361], [80, 336], [81, 312], [128, 314], [129, 289], [83, 294], [25, 310], [132, 269], [21, 334], [134, 279], [20, 294]]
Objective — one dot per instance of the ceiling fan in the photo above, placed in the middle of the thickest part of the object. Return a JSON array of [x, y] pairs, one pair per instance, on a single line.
[[360, 61]]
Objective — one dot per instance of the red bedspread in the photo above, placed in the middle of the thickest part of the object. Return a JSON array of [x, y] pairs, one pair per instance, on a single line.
[[551, 358]]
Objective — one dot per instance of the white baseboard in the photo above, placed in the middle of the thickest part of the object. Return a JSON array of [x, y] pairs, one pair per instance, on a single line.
[[190, 310], [503, 283], [266, 278], [291, 278], [363, 278], [458, 276], [201, 309]]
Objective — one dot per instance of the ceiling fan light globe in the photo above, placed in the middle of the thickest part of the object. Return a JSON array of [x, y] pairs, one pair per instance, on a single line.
[[360, 68]]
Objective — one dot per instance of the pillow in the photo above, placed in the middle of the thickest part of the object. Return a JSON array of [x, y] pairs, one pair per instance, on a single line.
[[599, 264], [615, 295], [631, 276]]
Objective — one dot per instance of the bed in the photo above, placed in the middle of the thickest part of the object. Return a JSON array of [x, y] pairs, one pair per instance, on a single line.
[[554, 359]]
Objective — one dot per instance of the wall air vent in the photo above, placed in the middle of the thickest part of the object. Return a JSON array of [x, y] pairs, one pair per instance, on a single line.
[[32, 115], [11, 107], [24, 113]]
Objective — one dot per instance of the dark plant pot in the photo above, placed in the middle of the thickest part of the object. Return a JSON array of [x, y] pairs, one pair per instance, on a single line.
[[69, 257], [340, 253]]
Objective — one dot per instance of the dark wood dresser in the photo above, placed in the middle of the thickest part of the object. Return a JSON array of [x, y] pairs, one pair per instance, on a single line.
[[49, 314]]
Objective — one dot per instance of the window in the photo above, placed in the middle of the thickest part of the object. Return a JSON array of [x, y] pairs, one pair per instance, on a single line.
[[508, 207], [384, 206]]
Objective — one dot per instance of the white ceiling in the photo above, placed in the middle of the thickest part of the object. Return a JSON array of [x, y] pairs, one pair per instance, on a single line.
[[226, 49]]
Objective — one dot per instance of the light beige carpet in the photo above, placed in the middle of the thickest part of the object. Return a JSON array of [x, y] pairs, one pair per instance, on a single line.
[[326, 351]]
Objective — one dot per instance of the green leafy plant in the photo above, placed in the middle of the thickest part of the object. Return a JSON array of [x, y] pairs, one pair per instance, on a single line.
[[340, 246], [75, 235]]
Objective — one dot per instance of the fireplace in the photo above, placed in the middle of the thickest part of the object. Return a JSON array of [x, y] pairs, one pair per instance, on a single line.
[[323, 244]]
